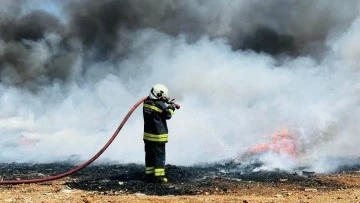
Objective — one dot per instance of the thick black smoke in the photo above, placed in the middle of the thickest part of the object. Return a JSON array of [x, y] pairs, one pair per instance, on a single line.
[[38, 48], [267, 40], [24, 45]]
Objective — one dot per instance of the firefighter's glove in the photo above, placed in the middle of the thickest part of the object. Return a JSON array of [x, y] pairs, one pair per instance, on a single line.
[[165, 99], [172, 106]]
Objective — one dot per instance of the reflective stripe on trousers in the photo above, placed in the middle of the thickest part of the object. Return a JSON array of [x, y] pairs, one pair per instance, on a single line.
[[149, 170], [159, 172]]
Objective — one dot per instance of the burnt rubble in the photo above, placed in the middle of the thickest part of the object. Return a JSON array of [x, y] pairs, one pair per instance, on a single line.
[[113, 179]]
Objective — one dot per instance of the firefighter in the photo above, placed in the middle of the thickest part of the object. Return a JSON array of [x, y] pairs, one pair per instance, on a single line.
[[156, 110]]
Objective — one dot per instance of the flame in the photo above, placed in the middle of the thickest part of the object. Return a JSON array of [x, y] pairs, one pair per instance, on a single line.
[[282, 142]]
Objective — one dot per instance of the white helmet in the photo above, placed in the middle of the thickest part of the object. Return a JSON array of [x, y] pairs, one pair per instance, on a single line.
[[159, 91]]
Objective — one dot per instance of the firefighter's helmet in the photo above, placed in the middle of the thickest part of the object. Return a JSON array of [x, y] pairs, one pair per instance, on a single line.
[[159, 91]]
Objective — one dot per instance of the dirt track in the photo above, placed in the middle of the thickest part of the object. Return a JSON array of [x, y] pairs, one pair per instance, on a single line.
[[123, 183]]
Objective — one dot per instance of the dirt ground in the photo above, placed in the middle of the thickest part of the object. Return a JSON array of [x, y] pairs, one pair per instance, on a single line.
[[123, 183]]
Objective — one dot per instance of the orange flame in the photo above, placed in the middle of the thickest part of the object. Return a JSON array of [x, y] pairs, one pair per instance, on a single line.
[[282, 141]]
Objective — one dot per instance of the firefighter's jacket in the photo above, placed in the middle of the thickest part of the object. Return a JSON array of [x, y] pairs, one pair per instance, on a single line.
[[155, 113]]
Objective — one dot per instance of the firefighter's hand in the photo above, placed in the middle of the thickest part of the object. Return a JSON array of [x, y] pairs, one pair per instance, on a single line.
[[165, 99], [172, 106], [172, 101]]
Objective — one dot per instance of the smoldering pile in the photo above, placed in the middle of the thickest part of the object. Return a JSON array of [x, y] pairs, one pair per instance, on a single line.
[[220, 178]]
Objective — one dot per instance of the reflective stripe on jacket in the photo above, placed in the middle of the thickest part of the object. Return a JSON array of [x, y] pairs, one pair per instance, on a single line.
[[155, 113]]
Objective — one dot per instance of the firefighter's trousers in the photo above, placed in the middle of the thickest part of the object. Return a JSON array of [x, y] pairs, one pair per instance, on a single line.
[[154, 159]]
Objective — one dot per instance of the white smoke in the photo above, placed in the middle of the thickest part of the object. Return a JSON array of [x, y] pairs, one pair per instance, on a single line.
[[230, 100]]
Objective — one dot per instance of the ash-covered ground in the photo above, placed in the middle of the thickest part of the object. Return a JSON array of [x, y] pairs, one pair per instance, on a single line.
[[113, 179]]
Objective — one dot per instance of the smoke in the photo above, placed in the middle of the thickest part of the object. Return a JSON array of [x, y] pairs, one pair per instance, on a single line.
[[70, 70]]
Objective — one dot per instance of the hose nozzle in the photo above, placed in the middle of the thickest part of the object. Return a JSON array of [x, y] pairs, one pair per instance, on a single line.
[[172, 101], [177, 106]]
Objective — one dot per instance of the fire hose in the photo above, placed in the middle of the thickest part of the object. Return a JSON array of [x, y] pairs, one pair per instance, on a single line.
[[78, 168]]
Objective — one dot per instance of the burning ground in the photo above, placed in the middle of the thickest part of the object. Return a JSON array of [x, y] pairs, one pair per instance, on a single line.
[[230, 177], [238, 179]]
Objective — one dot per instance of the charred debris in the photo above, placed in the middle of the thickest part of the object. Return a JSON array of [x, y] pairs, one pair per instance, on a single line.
[[218, 178]]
